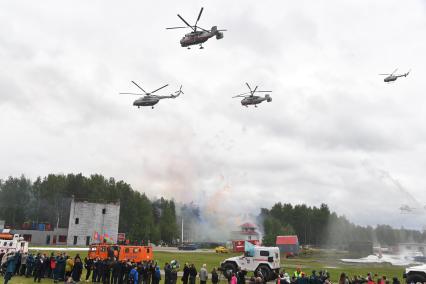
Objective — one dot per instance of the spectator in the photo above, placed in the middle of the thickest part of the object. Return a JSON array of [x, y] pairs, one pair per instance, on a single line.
[[192, 274], [23, 268], [185, 274], [133, 275], [77, 269], [203, 274], [11, 260], [156, 276], [167, 271], [38, 268], [215, 276], [69, 264]]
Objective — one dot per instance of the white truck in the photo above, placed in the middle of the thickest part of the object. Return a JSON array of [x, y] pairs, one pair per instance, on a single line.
[[263, 259], [415, 274], [12, 243]]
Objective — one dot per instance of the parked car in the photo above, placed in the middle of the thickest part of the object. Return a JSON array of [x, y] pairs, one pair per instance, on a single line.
[[221, 249], [187, 247]]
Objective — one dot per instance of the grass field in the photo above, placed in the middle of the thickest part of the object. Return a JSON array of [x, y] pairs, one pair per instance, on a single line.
[[317, 261]]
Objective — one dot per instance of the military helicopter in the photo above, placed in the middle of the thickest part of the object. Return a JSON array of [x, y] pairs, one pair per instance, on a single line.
[[392, 77], [197, 36], [252, 99], [405, 209], [149, 99]]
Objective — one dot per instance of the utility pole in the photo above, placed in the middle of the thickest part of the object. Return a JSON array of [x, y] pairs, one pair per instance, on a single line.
[[181, 239]]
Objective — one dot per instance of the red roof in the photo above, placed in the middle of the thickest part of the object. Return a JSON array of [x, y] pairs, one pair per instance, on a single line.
[[248, 225], [287, 240]]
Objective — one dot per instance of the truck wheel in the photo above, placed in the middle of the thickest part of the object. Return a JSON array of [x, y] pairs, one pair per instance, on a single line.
[[416, 278], [266, 272], [228, 269]]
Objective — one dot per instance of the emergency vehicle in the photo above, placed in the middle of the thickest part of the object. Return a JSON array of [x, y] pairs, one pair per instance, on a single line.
[[121, 252], [260, 260], [12, 243]]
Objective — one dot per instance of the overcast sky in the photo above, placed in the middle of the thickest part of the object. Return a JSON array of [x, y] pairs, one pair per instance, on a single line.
[[334, 132]]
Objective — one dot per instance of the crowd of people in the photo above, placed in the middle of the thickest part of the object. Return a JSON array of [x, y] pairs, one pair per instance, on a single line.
[[323, 277], [38, 266], [63, 268]]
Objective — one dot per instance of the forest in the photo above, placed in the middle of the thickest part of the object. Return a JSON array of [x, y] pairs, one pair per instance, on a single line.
[[47, 200], [320, 227]]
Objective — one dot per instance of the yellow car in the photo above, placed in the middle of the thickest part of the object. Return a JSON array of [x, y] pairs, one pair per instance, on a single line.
[[221, 249]]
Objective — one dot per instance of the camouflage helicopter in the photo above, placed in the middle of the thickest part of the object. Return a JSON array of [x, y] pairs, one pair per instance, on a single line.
[[197, 36], [392, 77], [251, 99], [149, 99]]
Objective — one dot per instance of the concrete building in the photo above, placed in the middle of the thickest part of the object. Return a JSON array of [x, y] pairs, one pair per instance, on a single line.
[[1, 224], [90, 222], [56, 237]]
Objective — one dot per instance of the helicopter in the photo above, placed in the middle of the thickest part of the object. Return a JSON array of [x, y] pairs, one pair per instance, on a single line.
[[197, 37], [392, 77], [252, 99], [406, 209], [149, 99]]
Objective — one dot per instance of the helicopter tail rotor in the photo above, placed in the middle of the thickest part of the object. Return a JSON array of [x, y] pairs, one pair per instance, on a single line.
[[178, 92]]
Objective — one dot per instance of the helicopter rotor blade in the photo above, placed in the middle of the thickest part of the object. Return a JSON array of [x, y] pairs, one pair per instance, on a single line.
[[243, 94], [239, 96], [139, 87], [254, 91], [131, 94], [186, 23], [172, 28], [159, 88], [394, 71], [248, 86], [199, 16], [263, 91], [385, 74]]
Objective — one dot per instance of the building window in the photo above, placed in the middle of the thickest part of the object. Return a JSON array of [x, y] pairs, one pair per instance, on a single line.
[[27, 238], [104, 211], [77, 220], [48, 240], [62, 239], [75, 240], [87, 240]]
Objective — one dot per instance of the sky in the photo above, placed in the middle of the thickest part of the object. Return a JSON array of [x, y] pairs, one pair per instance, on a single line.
[[334, 132]]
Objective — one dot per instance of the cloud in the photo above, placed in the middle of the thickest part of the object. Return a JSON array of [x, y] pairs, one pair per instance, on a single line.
[[64, 65]]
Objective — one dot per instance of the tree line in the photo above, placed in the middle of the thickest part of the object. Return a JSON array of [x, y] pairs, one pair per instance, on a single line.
[[319, 226], [47, 200]]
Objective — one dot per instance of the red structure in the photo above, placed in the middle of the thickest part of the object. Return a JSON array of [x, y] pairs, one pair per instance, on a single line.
[[289, 245], [238, 246], [248, 232]]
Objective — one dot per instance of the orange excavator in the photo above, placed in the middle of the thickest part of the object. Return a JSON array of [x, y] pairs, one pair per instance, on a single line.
[[121, 252]]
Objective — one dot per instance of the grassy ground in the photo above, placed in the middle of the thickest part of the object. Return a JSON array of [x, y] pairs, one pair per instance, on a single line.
[[317, 261]]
